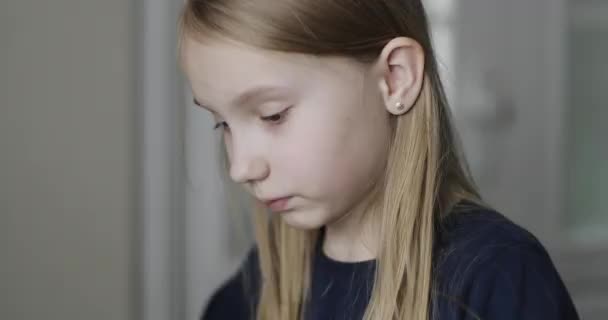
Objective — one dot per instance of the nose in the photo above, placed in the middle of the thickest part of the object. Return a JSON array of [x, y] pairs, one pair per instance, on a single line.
[[247, 165]]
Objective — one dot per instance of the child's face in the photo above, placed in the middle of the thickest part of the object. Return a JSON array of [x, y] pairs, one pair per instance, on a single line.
[[318, 136]]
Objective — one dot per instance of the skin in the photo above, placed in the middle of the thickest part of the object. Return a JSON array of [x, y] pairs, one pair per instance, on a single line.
[[320, 137]]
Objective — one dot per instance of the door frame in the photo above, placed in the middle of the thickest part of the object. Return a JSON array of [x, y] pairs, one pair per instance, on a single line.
[[160, 247]]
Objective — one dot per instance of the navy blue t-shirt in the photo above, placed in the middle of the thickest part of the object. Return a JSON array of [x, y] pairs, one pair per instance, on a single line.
[[485, 267]]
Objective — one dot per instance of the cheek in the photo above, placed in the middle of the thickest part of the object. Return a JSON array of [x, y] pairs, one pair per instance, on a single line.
[[331, 158], [300, 159]]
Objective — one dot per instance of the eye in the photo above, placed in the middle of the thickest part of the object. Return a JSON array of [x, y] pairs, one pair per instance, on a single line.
[[276, 118]]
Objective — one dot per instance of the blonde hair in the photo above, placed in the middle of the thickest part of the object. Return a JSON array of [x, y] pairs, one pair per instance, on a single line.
[[425, 174]]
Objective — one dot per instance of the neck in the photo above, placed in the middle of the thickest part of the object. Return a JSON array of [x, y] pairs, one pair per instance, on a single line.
[[352, 238]]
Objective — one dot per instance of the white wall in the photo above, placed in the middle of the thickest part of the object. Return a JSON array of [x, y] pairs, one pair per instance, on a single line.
[[66, 160]]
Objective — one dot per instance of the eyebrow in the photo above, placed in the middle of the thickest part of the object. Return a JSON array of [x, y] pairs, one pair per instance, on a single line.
[[258, 93]]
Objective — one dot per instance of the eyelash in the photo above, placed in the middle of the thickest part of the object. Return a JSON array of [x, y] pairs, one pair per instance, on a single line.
[[220, 124], [282, 115]]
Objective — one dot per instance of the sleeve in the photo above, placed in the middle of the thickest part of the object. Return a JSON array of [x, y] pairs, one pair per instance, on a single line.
[[516, 283], [236, 297]]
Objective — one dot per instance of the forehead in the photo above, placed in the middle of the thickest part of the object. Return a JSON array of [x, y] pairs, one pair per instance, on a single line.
[[219, 69]]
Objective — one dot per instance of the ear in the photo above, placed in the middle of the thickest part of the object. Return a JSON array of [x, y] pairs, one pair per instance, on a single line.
[[401, 74]]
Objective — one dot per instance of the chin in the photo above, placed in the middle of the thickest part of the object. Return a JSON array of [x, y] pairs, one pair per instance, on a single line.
[[303, 219]]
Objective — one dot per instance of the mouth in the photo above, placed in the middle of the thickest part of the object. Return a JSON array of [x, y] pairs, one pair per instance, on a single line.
[[277, 204]]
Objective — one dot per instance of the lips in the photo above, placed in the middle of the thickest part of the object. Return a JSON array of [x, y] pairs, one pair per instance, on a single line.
[[277, 204]]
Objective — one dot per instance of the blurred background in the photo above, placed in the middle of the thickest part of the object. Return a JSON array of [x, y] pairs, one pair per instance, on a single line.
[[111, 203]]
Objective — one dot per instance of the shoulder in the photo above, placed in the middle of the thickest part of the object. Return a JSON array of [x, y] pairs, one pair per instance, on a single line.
[[237, 296], [489, 267], [473, 230]]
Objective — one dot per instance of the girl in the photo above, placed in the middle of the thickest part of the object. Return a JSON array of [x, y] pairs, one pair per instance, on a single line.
[[334, 118]]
